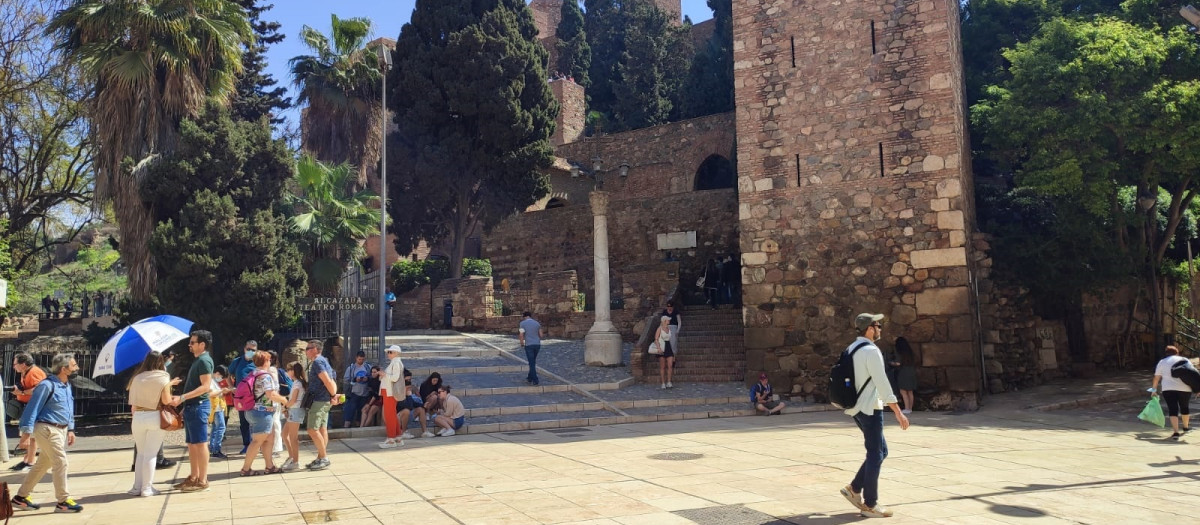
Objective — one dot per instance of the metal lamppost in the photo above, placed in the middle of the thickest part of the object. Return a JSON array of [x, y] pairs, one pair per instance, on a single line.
[[385, 64]]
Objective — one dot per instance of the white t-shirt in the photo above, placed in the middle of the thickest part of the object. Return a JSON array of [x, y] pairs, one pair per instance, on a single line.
[[1170, 382]]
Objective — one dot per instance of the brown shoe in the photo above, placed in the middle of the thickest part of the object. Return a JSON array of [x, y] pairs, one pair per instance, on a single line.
[[186, 483], [196, 486]]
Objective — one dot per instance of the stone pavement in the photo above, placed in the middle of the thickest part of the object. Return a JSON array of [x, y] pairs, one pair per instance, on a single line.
[[998, 465]]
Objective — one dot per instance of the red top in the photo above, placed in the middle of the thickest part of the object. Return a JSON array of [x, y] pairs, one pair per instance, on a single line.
[[224, 383], [32, 377]]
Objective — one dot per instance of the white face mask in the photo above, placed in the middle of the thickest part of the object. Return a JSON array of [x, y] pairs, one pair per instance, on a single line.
[[249, 354]]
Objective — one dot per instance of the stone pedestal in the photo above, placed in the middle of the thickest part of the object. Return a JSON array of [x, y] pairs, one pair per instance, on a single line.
[[602, 344]]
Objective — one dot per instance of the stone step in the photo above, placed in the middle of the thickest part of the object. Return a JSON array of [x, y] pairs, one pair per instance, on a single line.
[[530, 403], [451, 352], [699, 339]]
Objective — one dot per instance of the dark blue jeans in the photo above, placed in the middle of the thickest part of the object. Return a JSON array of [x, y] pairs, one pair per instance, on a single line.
[[244, 426], [867, 479], [531, 352], [353, 409]]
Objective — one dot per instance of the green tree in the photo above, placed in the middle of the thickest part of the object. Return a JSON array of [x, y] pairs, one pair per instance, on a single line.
[[604, 29], [340, 82], [222, 246], [151, 64], [330, 220], [257, 94], [473, 115], [1098, 108], [709, 88], [45, 146], [574, 53]]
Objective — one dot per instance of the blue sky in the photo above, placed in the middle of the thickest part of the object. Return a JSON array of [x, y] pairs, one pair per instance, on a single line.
[[388, 17]]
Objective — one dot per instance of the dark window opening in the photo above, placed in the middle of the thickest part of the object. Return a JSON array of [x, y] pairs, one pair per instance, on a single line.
[[881, 172], [793, 51], [715, 172], [556, 203], [873, 38]]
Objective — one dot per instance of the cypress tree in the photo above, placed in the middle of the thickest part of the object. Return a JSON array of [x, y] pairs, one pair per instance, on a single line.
[[605, 34], [473, 115], [257, 95], [651, 70], [574, 53], [710, 80]]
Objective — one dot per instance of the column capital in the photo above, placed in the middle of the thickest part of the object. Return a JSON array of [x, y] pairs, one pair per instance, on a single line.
[[599, 202]]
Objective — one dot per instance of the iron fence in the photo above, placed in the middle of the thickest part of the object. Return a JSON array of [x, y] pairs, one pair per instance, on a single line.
[[99, 397], [358, 329]]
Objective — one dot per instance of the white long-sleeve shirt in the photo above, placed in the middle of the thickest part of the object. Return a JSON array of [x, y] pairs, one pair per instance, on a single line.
[[868, 364]]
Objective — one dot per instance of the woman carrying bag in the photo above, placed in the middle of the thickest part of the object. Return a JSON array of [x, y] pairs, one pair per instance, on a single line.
[[149, 388]]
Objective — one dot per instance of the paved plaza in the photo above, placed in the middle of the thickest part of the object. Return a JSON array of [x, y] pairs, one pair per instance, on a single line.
[[1003, 464]]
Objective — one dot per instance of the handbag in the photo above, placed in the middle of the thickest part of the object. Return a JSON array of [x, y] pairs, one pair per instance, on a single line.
[[655, 349], [700, 282], [307, 402], [6, 508], [168, 418]]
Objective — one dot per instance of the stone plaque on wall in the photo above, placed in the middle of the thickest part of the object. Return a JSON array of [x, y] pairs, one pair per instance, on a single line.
[[676, 240]]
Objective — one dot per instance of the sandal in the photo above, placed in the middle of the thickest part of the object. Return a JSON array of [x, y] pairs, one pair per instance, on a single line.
[[273, 470], [250, 473]]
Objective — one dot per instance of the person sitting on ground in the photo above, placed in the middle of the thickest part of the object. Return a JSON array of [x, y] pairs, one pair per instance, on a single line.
[[451, 415], [412, 406], [763, 399], [430, 386], [372, 410]]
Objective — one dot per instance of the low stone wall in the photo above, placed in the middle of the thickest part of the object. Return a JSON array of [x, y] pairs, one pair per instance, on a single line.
[[413, 309]]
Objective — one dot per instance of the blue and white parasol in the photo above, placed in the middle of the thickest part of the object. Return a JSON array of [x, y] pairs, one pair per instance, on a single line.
[[128, 347]]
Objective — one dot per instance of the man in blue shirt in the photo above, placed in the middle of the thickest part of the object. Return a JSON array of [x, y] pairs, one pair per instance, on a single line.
[[390, 300], [531, 338], [238, 370], [763, 398], [50, 419]]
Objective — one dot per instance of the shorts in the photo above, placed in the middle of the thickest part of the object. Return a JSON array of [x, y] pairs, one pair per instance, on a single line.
[[1177, 402], [195, 422], [408, 403], [376, 402], [260, 421], [296, 415], [459, 422], [318, 415]]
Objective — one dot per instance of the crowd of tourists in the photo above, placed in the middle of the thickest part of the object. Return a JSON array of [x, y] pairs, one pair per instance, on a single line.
[[271, 403], [88, 305]]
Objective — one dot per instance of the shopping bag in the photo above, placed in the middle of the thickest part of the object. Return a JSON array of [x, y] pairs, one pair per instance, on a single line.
[[1153, 413]]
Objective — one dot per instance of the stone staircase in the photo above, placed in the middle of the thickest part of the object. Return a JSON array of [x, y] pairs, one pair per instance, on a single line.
[[711, 348], [488, 375]]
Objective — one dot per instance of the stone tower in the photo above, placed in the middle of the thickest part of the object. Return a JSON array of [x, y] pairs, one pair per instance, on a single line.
[[546, 15], [854, 188]]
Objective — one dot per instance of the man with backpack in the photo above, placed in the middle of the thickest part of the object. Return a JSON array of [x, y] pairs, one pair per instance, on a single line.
[[859, 384]]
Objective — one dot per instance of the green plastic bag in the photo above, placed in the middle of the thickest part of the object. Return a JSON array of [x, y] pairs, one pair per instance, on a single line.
[[1153, 413]]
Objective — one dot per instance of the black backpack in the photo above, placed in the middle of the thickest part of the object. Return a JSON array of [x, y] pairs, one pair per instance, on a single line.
[[841, 380], [1184, 371]]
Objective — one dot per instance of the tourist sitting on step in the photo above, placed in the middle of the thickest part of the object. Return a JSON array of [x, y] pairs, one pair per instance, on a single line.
[[451, 415], [374, 404], [412, 408], [763, 398], [428, 392]]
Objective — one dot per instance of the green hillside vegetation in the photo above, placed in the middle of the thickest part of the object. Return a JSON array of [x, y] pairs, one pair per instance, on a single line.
[[94, 269]]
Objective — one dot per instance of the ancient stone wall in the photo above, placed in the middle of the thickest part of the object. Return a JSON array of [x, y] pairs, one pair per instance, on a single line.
[[572, 113], [854, 194], [559, 239], [414, 309]]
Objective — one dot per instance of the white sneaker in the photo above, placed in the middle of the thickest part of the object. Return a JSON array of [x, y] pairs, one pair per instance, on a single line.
[[406, 435], [150, 493], [662, 386], [906, 411], [878, 511], [440, 433], [427, 434], [669, 385], [134, 492], [449, 432], [289, 465], [391, 443]]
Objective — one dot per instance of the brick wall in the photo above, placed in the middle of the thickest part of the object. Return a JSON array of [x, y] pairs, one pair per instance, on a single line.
[[414, 309], [852, 185], [561, 239], [572, 113]]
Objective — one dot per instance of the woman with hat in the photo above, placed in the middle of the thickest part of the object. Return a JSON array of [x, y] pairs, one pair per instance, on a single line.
[[391, 389]]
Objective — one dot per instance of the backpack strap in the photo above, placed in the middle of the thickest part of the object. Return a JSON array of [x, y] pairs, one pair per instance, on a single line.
[[852, 351]]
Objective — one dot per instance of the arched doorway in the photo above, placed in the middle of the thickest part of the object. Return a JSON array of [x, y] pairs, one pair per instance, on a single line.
[[716, 172]]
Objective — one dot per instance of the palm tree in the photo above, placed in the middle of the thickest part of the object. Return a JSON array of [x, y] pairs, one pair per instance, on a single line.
[[151, 64], [340, 82], [330, 219]]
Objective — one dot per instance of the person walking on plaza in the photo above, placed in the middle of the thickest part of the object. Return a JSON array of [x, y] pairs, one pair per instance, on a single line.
[[50, 419], [1175, 392], [238, 370], [871, 383], [265, 388], [666, 359], [196, 408], [149, 388], [295, 416], [357, 375], [322, 389], [30, 376], [530, 334], [391, 389]]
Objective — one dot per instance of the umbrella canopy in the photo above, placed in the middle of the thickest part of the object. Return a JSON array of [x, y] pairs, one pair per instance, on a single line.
[[128, 347]]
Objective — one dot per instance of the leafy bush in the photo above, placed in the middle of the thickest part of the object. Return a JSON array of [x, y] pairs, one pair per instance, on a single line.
[[408, 275]]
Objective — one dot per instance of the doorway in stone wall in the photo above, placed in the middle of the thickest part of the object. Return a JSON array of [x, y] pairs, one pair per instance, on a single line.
[[716, 172]]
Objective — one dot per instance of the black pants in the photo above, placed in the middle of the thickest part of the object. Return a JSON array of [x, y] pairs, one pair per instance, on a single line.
[[1177, 402], [245, 428]]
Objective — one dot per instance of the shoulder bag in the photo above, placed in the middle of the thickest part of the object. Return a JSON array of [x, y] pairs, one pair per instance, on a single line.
[[168, 417]]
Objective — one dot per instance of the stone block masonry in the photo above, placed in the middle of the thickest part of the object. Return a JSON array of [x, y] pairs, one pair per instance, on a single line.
[[854, 187]]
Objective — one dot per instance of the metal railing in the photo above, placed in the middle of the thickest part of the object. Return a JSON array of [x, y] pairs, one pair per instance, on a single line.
[[103, 396]]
